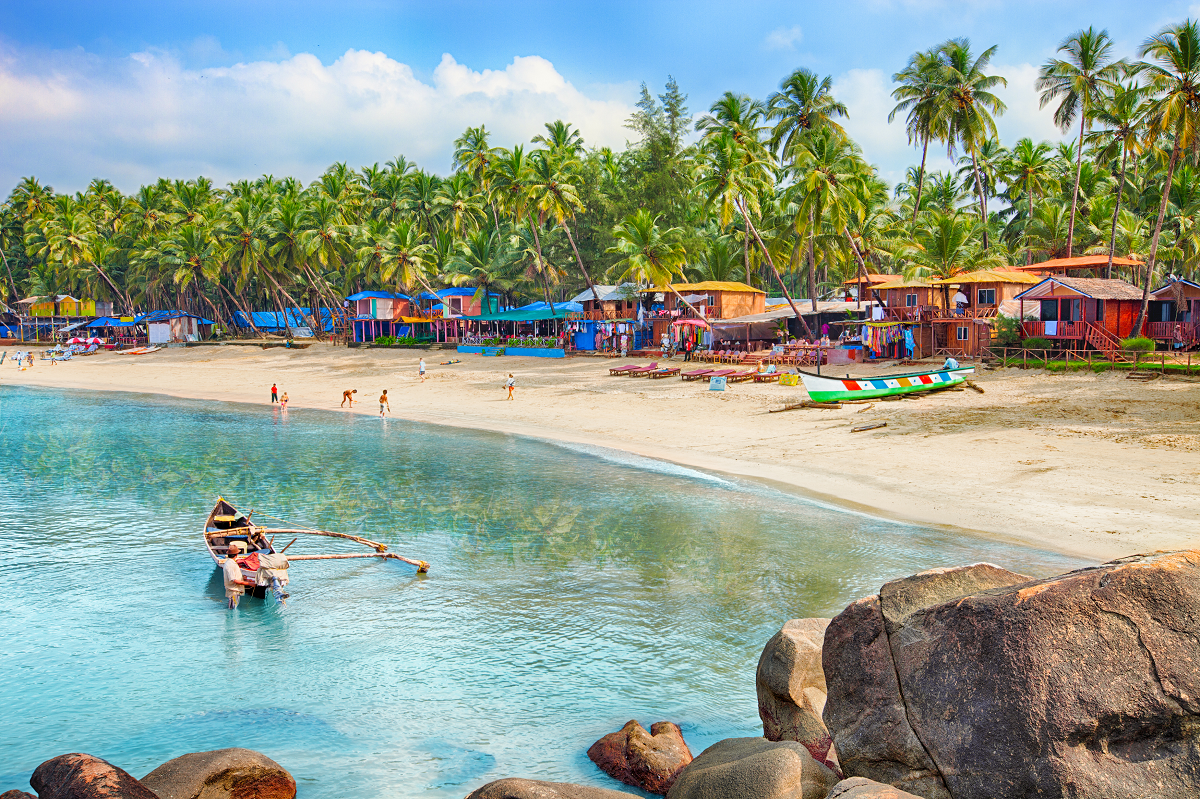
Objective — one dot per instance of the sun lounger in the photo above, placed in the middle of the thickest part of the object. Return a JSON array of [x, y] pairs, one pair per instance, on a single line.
[[644, 370], [766, 377], [738, 377], [697, 374], [620, 370], [720, 373], [657, 373]]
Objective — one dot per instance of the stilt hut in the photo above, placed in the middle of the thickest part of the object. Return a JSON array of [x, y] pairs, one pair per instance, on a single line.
[[1079, 313], [1174, 314]]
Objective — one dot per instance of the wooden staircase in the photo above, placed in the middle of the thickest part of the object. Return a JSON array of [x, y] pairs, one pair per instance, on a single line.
[[341, 324], [1102, 339]]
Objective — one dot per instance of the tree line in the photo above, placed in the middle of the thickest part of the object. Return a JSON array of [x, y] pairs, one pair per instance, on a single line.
[[770, 192]]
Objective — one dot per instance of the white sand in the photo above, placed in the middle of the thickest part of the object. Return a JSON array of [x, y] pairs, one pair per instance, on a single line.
[[1093, 465]]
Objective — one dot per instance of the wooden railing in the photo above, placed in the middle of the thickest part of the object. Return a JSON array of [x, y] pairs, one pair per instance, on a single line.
[[1061, 329], [977, 312], [1171, 331]]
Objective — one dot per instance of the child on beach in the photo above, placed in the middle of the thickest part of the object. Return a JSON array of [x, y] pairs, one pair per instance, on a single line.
[[274, 393], [348, 396], [383, 402], [421, 370], [283, 401], [509, 384]]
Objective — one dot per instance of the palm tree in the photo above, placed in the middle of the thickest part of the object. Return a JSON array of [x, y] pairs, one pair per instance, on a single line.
[[649, 255], [486, 262], [969, 105], [1078, 82], [945, 246], [1121, 113], [920, 82], [1030, 168], [804, 102], [554, 196], [1173, 76]]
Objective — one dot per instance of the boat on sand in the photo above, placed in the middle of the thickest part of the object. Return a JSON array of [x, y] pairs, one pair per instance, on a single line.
[[826, 388], [262, 562]]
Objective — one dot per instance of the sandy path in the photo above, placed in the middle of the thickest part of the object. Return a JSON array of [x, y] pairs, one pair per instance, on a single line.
[[1093, 465]]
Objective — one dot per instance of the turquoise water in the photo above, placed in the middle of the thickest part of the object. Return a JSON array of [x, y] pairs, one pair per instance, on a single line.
[[571, 590]]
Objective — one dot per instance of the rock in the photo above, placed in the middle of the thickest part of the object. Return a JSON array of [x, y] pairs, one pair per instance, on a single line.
[[15, 794], [863, 788], [80, 776], [791, 686], [754, 768], [646, 760], [1081, 685], [514, 788], [221, 774]]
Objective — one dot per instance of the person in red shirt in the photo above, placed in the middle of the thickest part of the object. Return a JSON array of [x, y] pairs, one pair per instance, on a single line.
[[274, 393]]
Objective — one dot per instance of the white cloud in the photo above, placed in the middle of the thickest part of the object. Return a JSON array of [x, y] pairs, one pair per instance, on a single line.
[[69, 117], [1023, 117], [784, 38]]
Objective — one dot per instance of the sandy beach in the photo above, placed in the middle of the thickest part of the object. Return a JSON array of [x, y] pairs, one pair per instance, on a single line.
[[1091, 465]]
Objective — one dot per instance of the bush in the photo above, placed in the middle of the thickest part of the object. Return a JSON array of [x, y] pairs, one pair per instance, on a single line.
[[1036, 343], [385, 341], [1138, 344], [1008, 331]]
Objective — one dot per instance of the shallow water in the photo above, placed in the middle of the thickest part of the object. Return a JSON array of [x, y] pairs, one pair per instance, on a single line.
[[572, 589]]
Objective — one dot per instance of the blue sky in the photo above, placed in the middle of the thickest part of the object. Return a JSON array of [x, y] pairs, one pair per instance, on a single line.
[[134, 90]]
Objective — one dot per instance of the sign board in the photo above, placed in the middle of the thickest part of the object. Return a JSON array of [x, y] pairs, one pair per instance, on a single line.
[[716, 383], [789, 380]]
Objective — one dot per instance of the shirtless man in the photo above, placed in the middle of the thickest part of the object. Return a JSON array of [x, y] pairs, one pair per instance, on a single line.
[[234, 584], [348, 396], [383, 403]]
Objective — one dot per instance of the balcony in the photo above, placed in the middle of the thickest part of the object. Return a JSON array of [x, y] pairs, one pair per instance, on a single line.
[[1068, 330]]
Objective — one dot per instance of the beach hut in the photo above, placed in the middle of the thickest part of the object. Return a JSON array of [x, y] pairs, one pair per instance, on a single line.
[[863, 287], [906, 300], [169, 327], [1082, 312], [1094, 264], [1174, 314], [967, 329], [721, 299]]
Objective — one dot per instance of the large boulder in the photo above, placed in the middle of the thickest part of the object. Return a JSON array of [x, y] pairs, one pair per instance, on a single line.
[[515, 788], [646, 760], [978, 683], [221, 774], [754, 768], [80, 776], [790, 682], [15, 794], [863, 788]]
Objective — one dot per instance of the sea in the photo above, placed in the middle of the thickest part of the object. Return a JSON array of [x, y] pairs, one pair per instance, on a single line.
[[571, 589]]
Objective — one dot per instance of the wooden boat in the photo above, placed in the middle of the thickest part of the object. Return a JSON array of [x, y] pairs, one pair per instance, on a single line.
[[225, 524], [826, 388]]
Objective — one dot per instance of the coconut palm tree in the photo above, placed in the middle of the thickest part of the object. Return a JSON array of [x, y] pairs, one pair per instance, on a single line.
[[1121, 112], [945, 246], [1078, 82], [554, 195], [1030, 169], [1173, 76], [648, 254], [804, 102], [917, 93]]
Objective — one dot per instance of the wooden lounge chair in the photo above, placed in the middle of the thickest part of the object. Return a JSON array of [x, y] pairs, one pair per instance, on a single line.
[[643, 370], [620, 370], [766, 377], [740, 377], [696, 375], [665, 372], [721, 373]]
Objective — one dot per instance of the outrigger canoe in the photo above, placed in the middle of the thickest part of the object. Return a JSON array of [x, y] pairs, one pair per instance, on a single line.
[[822, 388], [226, 525]]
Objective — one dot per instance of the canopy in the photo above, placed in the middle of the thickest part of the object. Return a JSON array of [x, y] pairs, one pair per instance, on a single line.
[[164, 316], [691, 323], [523, 315], [988, 276], [378, 295], [271, 320], [109, 321]]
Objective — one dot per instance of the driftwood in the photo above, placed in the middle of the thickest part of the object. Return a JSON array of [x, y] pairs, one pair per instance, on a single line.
[[864, 410], [422, 566], [971, 385], [872, 426], [805, 404]]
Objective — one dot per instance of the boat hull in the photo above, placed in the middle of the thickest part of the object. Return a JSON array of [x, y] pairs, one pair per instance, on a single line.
[[822, 388]]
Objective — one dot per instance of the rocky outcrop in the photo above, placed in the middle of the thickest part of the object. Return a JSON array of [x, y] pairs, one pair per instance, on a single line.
[[514, 788], [790, 682], [646, 760], [80, 776], [863, 788], [15, 794], [978, 683], [221, 774], [754, 768]]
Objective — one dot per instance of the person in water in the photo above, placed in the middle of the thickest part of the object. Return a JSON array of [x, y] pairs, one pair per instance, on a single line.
[[348, 396], [235, 585], [283, 401], [383, 403]]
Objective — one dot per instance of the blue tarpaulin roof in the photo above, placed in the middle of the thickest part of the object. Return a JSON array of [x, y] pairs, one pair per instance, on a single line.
[[163, 316], [574, 307], [378, 295], [110, 321], [272, 320]]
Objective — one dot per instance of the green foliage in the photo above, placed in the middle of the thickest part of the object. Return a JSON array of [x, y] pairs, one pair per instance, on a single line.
[[385, 341], [1007, 332], [1037, 343], [1138, 344]]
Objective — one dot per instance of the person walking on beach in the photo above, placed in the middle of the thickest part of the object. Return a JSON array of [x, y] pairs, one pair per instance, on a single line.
[[509, 384], [348, 396], [383, 403], [421, 370], [283, 401], [232, 572], [274, 393]]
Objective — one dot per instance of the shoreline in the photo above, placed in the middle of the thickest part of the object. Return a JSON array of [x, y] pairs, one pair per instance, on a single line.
[[910, 472]]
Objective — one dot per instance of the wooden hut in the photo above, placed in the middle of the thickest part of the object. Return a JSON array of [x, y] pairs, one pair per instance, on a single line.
[[1174, 314], [721, 299], [864, 285], [904, 300], [1082, 312]]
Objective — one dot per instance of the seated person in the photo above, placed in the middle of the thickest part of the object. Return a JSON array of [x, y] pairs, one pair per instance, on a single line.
[[950, 363]]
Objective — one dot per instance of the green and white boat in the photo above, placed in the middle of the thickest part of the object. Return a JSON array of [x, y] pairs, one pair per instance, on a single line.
[[822, 388]]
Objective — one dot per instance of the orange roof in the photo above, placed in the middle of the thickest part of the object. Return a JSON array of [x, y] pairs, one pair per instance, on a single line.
[[1080, 262], [872, 279]]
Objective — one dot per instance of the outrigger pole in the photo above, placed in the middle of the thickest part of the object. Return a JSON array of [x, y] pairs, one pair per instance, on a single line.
[[380, 549]]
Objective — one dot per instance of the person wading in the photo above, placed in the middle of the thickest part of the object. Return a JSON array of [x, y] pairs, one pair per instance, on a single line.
[[235, 586], [348, 396], [383, 403]]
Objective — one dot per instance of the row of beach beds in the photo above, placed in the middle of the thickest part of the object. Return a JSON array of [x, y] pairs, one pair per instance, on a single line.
[[654, 371]]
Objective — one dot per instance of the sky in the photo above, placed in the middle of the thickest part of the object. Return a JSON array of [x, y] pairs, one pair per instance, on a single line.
[[131, 91]]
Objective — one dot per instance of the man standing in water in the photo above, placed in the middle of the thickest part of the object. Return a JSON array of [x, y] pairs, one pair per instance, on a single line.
[[274, 393], [234, 584], [348, 396], [383, 403]]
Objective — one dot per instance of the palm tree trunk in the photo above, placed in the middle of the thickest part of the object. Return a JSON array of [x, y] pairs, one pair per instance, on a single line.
[[982, 198], [120, 294], [812, 263], [586, 276], [537, 241], [237, 303], [11, 282], [1075, 192], [1112, 241], [282, 313], [920, 177], [1162, 210], [1028, 222], [770, 262], [862, 266]]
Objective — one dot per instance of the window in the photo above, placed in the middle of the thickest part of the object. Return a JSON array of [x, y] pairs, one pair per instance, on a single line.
[[987, 296], [910, 300], [1049, 311], [962, 332]]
